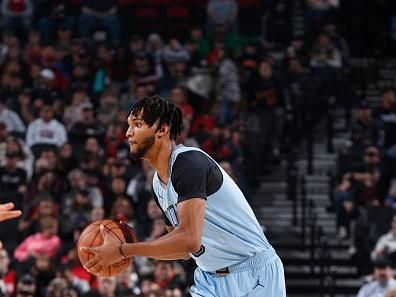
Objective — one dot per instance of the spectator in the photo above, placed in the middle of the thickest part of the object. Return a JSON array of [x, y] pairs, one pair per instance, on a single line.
[[26, 286], [44, 242], [386, 244], [8, 275], [17, 14], [103, 13], [382, 280], [11, 119], [178, 96], [223, 12], [12, 178], [86, 127], [45, 132], [229, 93], [364, 129]]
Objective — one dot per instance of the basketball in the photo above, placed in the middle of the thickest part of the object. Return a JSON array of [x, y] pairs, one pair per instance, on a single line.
[[92, 237]]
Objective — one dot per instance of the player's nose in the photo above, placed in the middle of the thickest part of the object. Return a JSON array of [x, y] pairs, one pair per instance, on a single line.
[[129, 132]]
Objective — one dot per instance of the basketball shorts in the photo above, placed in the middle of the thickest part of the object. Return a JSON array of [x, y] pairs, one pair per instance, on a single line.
[[259, 276]]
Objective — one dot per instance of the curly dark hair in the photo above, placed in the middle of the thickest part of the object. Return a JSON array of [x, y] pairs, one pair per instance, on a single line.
[[161, 111]]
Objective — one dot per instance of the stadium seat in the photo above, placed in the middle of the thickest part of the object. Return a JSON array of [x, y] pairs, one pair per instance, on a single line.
[[178, 12]]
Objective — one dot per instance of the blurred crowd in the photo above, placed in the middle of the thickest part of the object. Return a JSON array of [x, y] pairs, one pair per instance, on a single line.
[[69, 76]]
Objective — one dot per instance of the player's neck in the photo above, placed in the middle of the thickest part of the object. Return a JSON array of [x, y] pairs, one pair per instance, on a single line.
[[161, 162]]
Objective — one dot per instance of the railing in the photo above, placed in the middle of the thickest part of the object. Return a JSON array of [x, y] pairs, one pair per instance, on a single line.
[[319, 251]]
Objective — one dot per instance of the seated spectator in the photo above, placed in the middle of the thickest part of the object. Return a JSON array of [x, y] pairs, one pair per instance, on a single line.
[[42, 206], [8, 275], [364, 128], [103, 13], [122, 210], [17, 14], [11, 119], [44, 242], [25, 155], [86, 127], [382, 280], [73, 113], [108, 107], [12, 178], [43, 271], [174, 52], [224, 12], [387, 111], [178, 96], [26, 286], [166, 276], [386, 244], [45, 132]]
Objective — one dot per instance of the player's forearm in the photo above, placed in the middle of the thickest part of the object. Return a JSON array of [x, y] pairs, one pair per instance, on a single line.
[[172, 246]]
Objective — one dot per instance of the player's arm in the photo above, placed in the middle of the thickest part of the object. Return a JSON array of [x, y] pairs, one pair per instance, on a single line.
[[184, 239], [177, 244]]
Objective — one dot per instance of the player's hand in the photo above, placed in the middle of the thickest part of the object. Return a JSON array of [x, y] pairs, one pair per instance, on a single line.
[[7, 213], [105, 255]]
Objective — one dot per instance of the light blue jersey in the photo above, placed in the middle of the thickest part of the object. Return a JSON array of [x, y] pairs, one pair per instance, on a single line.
[[231, 232], [235, 259]]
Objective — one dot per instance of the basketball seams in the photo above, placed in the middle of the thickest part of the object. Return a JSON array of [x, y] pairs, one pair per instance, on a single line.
[[96, 236]]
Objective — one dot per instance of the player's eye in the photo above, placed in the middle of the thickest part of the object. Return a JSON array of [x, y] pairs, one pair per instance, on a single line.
[[138, 125]]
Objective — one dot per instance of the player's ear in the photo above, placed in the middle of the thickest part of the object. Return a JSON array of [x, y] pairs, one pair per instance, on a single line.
[[164, 130]]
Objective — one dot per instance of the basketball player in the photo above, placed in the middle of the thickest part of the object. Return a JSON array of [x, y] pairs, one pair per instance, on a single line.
[[207, 216]]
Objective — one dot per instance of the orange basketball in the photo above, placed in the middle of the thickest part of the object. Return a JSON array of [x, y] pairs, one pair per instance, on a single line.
[[91, 237]]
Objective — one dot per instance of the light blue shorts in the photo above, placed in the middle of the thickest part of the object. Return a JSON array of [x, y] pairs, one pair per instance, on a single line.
[[259, 276]]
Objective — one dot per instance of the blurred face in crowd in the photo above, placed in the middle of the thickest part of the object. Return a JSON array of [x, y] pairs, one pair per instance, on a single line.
[[65, 151], [383, 274], [46, 208], [106, 286], [4, 262], [46, 113], [43, 262], [49, 226], [163, 271], [92, 145], [364, 113], [141, 92], [295, 66], [177, 96], [371, 156], [78, 98], [3, 130], [122, 209], [87, 115], [265, 70], [97, 214], [77, 179], [11, 159], [323, 41], [118, 186]]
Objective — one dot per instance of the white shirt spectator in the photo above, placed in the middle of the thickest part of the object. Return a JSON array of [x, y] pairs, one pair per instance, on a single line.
[[40, 132], [376, 289], [387, 243]]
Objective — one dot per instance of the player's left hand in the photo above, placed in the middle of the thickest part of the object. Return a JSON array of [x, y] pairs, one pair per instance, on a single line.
[[105, 255]]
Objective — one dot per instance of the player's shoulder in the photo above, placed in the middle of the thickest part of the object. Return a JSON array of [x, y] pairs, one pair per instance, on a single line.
[[191, 157]]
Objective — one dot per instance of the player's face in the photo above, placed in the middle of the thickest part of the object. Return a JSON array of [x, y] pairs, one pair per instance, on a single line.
[[141, 137]]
